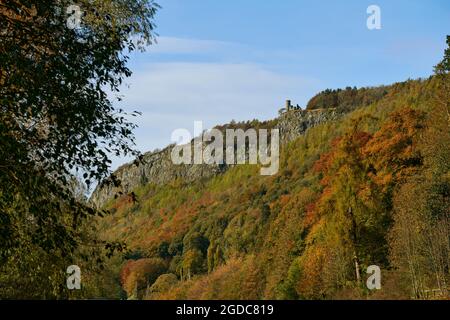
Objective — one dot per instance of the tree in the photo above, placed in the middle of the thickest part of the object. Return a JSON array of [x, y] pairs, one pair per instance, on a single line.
[[56, 117], [443, 67], [138, 276], [442, 71], [193, 263], [393, 150], [349, 221], [420, 236], [163, 284]]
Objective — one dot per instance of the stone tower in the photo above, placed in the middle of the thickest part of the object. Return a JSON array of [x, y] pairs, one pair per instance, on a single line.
[[288, 105]]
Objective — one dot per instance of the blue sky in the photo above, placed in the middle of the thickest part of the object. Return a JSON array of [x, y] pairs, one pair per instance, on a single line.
[[221, 60]]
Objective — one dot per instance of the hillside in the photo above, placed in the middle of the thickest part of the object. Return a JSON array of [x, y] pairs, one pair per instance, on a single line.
[[354, 174]]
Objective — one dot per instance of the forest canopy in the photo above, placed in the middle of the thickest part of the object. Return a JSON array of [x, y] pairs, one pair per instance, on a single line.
[[370, 188]]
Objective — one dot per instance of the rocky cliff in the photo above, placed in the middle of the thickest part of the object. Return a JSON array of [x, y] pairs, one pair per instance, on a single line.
[[294, 123], [157, 167]]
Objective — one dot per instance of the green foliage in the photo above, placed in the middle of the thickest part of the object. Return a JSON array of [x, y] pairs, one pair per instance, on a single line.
[[348, 99], [193, 263], [56, 120], [164, 283]]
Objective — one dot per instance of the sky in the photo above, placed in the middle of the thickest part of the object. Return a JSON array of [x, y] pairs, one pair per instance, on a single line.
[[216, 61]]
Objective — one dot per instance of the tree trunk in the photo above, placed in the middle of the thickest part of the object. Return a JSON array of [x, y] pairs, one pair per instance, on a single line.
[[354, 240], [358, 276]]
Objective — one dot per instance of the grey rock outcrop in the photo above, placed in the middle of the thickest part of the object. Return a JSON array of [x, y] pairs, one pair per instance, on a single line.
[[156, 168], [294, 123]]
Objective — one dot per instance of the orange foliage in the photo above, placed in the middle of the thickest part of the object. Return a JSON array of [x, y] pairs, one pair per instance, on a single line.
[[392, 150], [310, 283], [140, 274]]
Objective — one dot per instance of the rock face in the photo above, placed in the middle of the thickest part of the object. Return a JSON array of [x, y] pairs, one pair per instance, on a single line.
[[157, 167], [294, 123]]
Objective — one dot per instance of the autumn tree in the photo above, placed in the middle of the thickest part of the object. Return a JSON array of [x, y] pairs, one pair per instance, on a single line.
[[193, 263], [420, 237], [352, 218], [138, 276]]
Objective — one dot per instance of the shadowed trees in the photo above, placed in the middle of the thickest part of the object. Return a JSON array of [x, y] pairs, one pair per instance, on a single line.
[[57, 120]]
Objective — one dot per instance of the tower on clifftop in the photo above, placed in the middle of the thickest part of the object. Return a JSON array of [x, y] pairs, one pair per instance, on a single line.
[[288, 105]]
